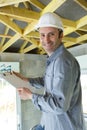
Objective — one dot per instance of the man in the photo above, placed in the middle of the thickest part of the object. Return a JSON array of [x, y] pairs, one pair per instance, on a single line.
[[61, 105]]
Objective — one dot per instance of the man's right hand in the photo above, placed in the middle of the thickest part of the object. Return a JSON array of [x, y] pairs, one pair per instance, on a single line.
[[24, 93]]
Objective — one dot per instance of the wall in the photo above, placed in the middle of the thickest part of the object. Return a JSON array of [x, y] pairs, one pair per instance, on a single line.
[[30, 66]]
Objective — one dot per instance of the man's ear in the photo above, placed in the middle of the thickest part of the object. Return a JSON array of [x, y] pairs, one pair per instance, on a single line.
[[61, 34]]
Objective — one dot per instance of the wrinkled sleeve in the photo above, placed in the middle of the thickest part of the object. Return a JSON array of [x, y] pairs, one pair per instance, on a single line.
[[37, 82], [62, 87]]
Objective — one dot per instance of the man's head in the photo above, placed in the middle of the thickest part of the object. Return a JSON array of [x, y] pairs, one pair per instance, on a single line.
[[50, 28]]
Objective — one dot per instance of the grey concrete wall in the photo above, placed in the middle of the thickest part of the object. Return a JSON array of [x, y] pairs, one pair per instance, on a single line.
[[30, 66], [79, 50]]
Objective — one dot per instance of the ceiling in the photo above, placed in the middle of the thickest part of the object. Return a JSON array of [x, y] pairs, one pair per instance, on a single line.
[[18, 18]]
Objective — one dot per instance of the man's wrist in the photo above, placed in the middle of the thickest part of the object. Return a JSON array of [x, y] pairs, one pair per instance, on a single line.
[[30, 96]]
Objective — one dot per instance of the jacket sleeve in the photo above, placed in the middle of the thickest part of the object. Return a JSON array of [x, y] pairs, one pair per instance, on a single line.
[[37, 82], [61, 84]]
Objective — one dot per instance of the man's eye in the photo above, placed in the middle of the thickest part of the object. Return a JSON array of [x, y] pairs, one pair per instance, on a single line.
[[42, 35], [51, 34]]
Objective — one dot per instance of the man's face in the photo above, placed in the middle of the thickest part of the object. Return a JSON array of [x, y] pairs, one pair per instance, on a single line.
[[50, 39]]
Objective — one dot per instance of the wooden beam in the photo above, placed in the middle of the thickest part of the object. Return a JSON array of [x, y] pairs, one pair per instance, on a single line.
[[27, 49], [74, 25], [69, 39], [3, 39], [81, 22], [37, 4], [79, 32], [10, 42], [10, 24], [33, 34], [30, 28], [23, 45], [68, 23], [84, 28], [20, 14], [10, 2], [41, 51], [69, 30], [33, 42], [81, 38], [26, 4], [5, 36], [67, 44], [82, 3], [52, 6], [78, 40]]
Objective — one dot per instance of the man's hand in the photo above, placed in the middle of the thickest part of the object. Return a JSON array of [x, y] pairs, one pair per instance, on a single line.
[[24, 93]]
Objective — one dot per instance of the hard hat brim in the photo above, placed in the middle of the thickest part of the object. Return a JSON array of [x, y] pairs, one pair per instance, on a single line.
[[47, 25]]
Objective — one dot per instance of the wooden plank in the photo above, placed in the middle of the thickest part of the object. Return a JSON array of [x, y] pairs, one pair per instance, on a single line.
[[23, 45], [33, 34], [82, 3], [81, 22], [52, 6], [69, 39], [3, 39], [33, 42], [84, 28], [20, 14], [37, 4], [10, 2], [10, 24], [10, 42], [31, 47], [30, 28], [68, 23], [69, 30], [81, 38]]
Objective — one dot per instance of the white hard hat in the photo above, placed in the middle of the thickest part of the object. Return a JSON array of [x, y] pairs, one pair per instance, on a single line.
[[50, 20]]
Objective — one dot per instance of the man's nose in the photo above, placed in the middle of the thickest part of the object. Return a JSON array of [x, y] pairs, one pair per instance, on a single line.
[[47, 39]]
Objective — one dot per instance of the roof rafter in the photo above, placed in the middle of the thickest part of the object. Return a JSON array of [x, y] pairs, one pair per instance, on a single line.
[[9, 23], [19, 13], [29, 28], [84, 28], [52, 6], [31, 47], [81, 22], [81, 38], [76, 25], [37, 4], [73, 41], [10, 42], [69, 39], [82, 3], [10, 2], [3, 39]]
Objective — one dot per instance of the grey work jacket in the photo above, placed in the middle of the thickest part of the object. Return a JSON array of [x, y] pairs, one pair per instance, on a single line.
[[61, 104]]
